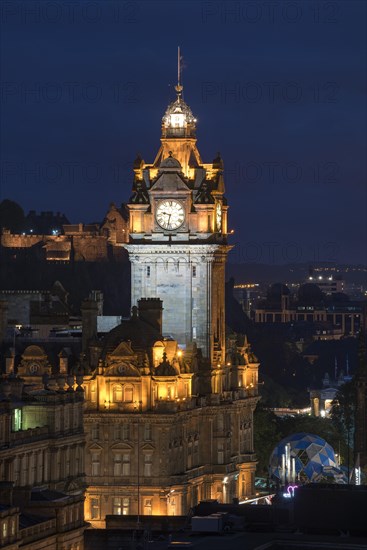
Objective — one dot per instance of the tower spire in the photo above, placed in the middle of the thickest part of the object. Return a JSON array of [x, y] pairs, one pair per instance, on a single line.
[[179, 86]]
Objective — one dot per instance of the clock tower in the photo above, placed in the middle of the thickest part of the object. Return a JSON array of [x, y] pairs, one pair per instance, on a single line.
[[178, 235]]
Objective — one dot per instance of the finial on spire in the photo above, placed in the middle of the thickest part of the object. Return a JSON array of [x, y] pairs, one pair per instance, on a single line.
[[179, 87]]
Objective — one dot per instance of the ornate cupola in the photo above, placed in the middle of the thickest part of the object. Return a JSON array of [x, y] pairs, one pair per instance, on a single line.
[[178, 120]]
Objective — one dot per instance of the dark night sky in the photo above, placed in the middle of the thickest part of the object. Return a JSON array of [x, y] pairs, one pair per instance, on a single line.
[[279, 91]]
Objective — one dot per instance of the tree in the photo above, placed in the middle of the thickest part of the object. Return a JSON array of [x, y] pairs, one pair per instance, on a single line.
[[11, 216], [266, 437], [342, 417]]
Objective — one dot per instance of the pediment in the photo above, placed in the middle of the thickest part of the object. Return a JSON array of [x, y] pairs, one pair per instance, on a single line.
[[95, 447], [147, 447], [123, 350], [121, 447]]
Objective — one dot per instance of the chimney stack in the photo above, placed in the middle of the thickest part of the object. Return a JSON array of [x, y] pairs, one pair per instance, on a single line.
[[89, 322], [150, 311]]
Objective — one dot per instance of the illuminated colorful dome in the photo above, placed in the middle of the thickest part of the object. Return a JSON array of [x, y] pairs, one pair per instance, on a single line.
[[314, 458]]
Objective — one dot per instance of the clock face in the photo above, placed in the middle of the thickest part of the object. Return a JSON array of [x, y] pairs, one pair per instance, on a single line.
[[219, 216], [170, 214]]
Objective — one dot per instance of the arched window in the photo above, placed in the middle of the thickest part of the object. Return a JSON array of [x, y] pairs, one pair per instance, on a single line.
[[117, 393], [128, 394]]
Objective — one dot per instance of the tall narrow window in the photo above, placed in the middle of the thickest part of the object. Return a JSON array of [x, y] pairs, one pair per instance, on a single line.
[[148, 464], [117, 464], [147, 506], [148, 270], [116, 431], [17, 420], [220, 453], [95, 431], [147, 432], [126, 464], [125, 506], [125, 431], [95, 456], [94, 508], [194, 270], [117, 393], [128, 394]]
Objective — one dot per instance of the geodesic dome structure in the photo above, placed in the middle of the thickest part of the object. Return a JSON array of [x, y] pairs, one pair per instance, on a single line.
[[314, 458]]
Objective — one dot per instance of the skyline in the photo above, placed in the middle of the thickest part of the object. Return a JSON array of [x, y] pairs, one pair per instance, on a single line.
[[278, 91]]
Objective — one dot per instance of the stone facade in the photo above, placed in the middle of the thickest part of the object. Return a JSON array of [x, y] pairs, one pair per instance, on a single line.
[[189, 278], [41, 462], [169, 408], [159, 440]]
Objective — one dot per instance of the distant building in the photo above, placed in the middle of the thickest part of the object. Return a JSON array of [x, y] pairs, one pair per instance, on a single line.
[[51, 237], [247, 294], [310, 306], [322, 398], [329, 284]]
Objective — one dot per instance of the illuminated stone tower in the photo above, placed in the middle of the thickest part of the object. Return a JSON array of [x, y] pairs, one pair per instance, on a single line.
[[178, 235], [168, 425]]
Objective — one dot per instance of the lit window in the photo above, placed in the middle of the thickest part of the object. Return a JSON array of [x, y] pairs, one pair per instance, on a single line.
[[117, 506], [94, 508], [5, 529], [125, 506], [128, 394], [17, 420], [148, 506], [117, 393]]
